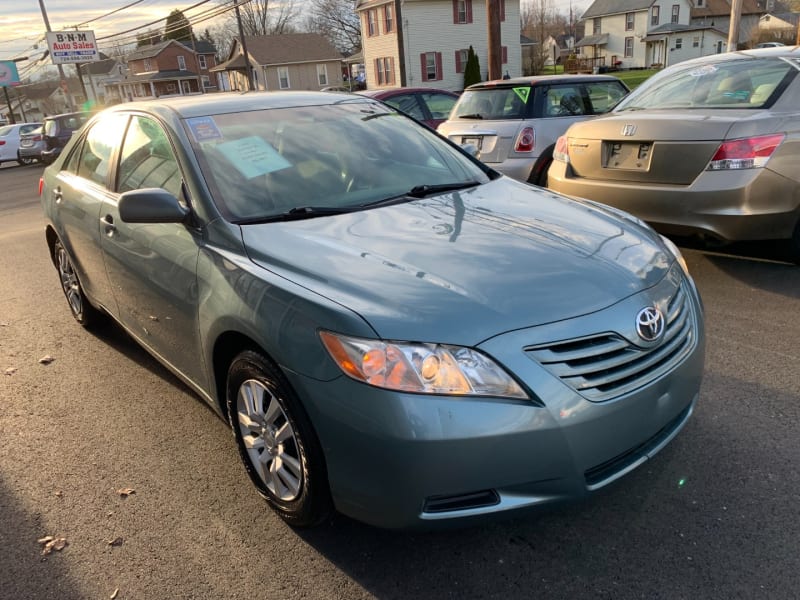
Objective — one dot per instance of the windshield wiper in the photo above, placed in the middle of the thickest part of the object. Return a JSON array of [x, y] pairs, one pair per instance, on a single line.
[[472, 116], [422, 191], [297, 213]]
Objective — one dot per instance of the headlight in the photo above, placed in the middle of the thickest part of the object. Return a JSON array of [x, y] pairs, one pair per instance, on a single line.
[[676, 253], [420, 368]]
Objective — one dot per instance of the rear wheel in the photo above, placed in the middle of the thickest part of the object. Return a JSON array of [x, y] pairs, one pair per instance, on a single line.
[[24, 160], [538, 174], [276, 441], [83, 312]]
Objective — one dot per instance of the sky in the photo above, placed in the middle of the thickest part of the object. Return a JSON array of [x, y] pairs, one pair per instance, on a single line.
[[22, 27]]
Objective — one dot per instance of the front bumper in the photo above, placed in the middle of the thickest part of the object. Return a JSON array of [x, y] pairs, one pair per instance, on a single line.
[[404, 461], [748, 204]]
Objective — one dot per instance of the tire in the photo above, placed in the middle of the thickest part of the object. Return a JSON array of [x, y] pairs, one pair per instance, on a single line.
[[81, 309], [540, 178], [276, 442], [25, 161], [794, 245]]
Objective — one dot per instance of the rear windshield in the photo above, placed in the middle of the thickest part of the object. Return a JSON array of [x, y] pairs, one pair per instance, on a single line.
[[732, 84], [493, 103]]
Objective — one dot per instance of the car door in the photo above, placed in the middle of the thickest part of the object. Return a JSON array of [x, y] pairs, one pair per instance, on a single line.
[[152, 266], [81, 188]]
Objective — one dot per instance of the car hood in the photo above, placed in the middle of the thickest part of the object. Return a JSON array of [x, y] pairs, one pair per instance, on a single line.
[[465, 266]]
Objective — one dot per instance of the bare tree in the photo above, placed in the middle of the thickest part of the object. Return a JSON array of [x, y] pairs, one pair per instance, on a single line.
[[539, 22], [268, 17], [338, 21]]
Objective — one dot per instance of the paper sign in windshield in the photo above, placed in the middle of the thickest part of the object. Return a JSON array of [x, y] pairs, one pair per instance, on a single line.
[[252, 156]]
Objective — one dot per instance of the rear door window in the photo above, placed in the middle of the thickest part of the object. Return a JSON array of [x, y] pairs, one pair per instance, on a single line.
[[604, 95]]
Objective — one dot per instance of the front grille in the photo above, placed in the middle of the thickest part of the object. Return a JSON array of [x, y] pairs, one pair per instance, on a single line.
[[604, 366], [438, 504]]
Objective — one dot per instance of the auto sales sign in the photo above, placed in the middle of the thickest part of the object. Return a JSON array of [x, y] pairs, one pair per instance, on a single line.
[[72, 47]]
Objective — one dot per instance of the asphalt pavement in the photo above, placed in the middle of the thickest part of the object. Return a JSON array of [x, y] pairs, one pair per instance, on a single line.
[[103, 448]]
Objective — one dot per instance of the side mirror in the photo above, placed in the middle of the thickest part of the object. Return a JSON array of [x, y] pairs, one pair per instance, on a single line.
[[151, 205], [470, 149]]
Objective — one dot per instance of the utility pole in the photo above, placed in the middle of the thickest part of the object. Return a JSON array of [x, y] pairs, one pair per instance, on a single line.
[[495, 57], [248, 70], [64, 84], [733, 33]]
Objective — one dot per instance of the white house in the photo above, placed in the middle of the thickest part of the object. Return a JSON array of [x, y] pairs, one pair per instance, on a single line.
[[424, 43], [96, 75], [717, 14], [645, 33]]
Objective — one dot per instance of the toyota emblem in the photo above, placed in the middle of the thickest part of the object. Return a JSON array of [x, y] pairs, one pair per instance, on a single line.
[[650, 324]]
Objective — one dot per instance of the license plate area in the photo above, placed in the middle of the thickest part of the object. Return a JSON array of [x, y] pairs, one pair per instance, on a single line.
[[475, 141], [629, 156]]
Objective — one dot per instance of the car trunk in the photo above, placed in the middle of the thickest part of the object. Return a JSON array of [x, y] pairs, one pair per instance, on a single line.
[[494, 139], [632, 148]]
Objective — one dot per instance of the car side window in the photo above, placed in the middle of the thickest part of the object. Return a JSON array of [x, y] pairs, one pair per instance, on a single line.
[[147, 159], [408, 104], [564, 101], [439, 105], [98, 146], [604, 95]]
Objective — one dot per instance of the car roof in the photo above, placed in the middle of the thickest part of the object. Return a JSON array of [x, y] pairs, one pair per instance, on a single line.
[[540, 80], [403, 90], [231, 102]]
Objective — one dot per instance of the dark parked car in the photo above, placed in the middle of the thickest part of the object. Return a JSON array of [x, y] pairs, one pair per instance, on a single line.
[[709, 146], [514, 123], [391, 328], [427, 105], [57, 130]]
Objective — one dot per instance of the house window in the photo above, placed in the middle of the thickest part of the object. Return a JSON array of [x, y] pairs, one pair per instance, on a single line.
[[462, 11], [504, 54], [596, 29], [431, 64], [676, 10], [283, 78], [696, 41], [206, 81], [388, 18], [181, 63], [628, 47], [628, 21], [384, 70], [655, 15], [148, 65], [201, 60], [461, 60], [700, 5], [372, 22], [322, 74], [678, 43]]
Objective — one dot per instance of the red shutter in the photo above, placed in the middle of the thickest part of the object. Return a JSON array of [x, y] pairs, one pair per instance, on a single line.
[[423, 62], [438, 66], [459, 66], [455, 11], [469, 11], [504, 54], [391, 62], [375, 68], [502, 10]]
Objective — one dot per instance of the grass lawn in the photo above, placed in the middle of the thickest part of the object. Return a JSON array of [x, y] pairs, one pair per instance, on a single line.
[[634, 78]]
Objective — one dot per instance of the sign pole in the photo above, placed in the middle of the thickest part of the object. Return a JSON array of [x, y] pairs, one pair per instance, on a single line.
[[64, 84]]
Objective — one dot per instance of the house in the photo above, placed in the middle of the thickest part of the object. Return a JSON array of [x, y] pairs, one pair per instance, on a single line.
[[645, 33], [31, 102], [290, 61], [424, 43], [169, 68], [778, 27], [717, 14], [96, 75]]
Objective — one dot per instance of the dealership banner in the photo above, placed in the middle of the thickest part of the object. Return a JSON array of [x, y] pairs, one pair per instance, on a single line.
[[72, 47], [8, 73]]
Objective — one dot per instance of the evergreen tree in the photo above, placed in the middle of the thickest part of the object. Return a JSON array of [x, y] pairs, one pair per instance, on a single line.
[[178, 27], [472, 70]]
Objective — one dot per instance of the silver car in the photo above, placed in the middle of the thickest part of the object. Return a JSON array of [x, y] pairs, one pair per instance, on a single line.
[[708, 147], [514, 123], [391, 329], [31, 144]]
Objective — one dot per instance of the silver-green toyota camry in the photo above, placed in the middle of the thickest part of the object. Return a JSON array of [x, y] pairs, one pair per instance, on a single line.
[[393, 330]]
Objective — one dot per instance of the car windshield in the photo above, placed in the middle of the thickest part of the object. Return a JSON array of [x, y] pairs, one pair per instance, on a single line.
[[493, 103], [728, 84], [4, 131], [314, 160]]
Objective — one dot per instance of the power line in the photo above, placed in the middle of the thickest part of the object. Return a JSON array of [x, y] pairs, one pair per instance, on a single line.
[[108, 14]]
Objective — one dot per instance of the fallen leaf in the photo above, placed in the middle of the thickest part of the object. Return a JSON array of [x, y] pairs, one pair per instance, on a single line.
[[59, 494], [126, 492], [52, 543], [153, 318], [11, 370], [3, 324], [114, 594], [117, 541], [46, 360]]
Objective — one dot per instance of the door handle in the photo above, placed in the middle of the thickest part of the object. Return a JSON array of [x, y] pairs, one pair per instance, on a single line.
[[58, 197], [108, 222]]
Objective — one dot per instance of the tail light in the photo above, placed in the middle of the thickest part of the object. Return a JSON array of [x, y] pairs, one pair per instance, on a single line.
[[746, 153], [37, 138], [41, 185], [2, 142], [525, 140], [561, 151]]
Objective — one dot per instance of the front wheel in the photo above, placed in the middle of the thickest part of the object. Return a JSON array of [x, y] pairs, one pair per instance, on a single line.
[[276, 441], [83, 312]]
